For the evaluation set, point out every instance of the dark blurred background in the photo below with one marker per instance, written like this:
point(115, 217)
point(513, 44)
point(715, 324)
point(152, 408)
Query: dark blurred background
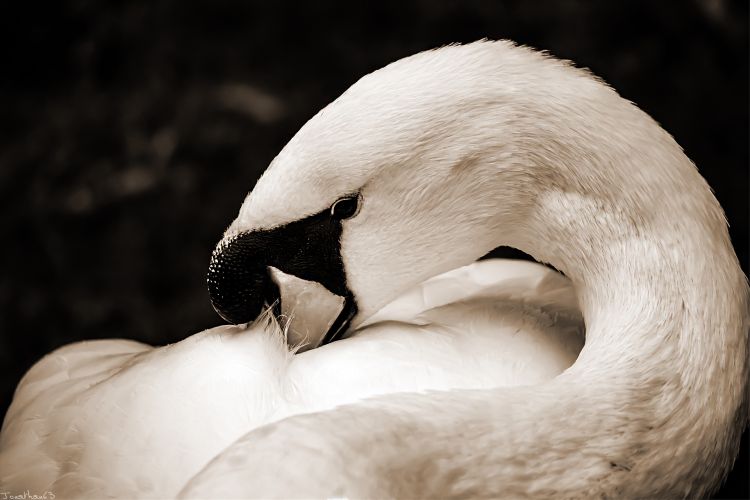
point(131, 132)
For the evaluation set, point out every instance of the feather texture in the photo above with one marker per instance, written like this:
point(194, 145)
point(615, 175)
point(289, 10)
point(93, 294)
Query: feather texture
point(453, 152)
point(116, 418)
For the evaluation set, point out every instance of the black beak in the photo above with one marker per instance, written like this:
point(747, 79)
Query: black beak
point(240, 285)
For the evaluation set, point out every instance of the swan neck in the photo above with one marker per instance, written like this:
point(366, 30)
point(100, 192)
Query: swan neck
point(662, 294)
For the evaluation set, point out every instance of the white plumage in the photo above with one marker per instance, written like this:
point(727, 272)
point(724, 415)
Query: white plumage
point(453, 152)
point(117, 418)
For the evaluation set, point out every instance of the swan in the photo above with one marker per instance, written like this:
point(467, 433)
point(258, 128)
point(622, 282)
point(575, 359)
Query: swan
point(426, 165)
point(420, 168)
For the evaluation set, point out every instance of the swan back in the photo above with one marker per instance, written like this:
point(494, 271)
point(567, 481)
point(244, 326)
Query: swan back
point(117, 418)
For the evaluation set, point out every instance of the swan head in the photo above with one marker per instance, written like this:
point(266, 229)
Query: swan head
point(420, 167)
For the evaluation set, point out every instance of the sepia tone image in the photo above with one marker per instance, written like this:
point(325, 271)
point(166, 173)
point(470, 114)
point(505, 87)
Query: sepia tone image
point(404, 249)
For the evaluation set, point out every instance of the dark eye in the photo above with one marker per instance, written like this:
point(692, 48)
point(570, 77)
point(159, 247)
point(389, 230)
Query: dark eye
point(345, 208)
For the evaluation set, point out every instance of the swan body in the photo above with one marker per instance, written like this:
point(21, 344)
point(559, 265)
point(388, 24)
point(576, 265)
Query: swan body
point(118, 418)
point(442, 157)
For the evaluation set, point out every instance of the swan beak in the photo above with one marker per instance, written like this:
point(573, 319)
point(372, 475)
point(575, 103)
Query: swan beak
point(295, 269)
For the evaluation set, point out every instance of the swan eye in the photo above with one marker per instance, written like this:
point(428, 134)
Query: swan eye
point(345, 208)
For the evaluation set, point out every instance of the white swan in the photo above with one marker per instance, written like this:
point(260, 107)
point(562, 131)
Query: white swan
point(435, 160)
point(454, 152)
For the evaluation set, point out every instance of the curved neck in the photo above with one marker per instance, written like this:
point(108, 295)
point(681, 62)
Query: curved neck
point(666, 307)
